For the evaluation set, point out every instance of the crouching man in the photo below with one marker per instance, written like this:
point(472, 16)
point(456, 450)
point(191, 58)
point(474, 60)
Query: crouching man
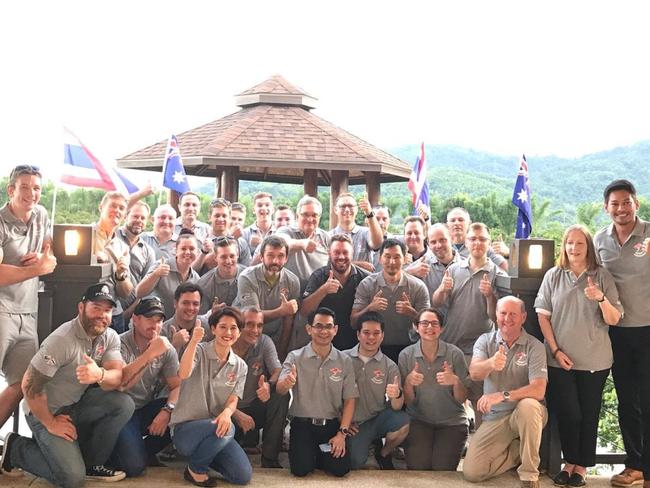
point(74, 425)
point(512, 365)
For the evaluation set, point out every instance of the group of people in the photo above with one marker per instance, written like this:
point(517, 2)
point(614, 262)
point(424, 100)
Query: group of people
point(208, 333)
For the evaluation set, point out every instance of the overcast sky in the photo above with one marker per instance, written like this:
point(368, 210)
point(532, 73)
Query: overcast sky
point(564, 78)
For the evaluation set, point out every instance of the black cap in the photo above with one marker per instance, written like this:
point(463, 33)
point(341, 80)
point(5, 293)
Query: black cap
point(150, 307)
point(98, 292)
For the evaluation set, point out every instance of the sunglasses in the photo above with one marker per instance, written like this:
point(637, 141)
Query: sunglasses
point(24, 169)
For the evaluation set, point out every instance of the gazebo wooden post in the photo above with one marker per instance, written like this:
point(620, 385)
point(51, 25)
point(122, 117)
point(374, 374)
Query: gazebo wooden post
point(218, 182)
point(230, 181)
point(339, 184)
point(310, 183)
point(373, 188)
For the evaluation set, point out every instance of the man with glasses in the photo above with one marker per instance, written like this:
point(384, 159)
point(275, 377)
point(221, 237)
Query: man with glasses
point(190, 206)
point(364, 239)
point(324, 391)
point(308, 244)
point(395, 294)
point(25, 254)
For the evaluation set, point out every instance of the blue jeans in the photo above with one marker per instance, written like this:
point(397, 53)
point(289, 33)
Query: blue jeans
point(377, 427)
point(135, 446)
point(197, 440)
point(98, 417)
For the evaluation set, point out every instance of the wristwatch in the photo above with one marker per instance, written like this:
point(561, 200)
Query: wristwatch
point(370, 215)
point(344, 431)
point(506, 396)
point(169, 407)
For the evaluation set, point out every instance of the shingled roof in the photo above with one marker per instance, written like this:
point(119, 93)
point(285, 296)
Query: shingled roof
point(274, 137)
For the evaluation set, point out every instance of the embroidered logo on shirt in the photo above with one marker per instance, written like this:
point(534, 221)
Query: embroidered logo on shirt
point(521, 359)
point(256, 368)
point(49, 360)
point(336, 374)
point(231, 379)
point(378, 377)
point(639, 250)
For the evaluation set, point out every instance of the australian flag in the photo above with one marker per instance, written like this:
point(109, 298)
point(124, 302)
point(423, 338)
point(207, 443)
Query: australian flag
point(521, 199)
point(417, 183)
point(174, 176)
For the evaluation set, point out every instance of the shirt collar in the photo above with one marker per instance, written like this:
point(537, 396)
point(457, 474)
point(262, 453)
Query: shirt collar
point(212, 354)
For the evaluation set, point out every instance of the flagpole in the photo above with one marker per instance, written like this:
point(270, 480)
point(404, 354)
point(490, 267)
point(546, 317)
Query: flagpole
point(56, 188)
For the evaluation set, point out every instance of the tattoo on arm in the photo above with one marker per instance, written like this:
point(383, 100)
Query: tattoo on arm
point(35, 382)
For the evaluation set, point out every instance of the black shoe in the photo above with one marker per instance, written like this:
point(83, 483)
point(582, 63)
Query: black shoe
point(208, 483)
point(5, 464)
point(562, 478)
point(576, 479)
point(103, 473)
point(384, 462)
point(270, 463)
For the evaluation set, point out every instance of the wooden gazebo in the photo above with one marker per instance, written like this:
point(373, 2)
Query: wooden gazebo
point(275, 137)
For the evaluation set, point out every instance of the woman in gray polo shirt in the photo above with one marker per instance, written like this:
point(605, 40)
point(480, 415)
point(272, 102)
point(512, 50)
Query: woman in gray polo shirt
point(576, 304)
point(435, 377)
point(213, 381)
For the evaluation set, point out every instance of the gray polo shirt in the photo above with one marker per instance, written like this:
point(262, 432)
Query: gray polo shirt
point(435, 403)
point(212, 285)
point(578, 324)
point(242, 249)
point(526, 361)
point(60, 354)
point(436, 270)
point(254, 291)
point(302, 263)
point(151, 383)
point(360, 241)
point(18, 238)
point(253, 230)
point(398, 326)
point(261, 359)
point(201, 229)
point(166, 331)
point(492, 256)
point(167, 285)
point(372, 378)
point(141, 260)
point(321, 386)
point(204, 394)
point(467, 316)
point(630, 267)
point(166, 250)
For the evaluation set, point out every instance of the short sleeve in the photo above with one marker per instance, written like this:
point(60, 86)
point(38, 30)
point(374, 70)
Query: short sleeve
point(480, 347)
point(350, 389)
point(113, 347)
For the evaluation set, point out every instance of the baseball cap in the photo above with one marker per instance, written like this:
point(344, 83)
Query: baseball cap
point(98, 292)
point(150, 307)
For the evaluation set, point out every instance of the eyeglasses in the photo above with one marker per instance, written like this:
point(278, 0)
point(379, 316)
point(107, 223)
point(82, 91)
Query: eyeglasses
point(220, 202)
point(24, 169)
point(319, 326)
point(224, 240)
point(309, 215)
point(428, 323)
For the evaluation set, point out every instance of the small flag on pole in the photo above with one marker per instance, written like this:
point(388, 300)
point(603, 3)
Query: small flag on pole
point(174, 176)
point(417, 183)
point(521, 199)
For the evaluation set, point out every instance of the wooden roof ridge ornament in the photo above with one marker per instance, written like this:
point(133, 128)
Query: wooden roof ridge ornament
point(275, 137)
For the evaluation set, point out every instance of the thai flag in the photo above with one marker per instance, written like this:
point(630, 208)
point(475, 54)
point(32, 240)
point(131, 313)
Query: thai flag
point(417, 183)
point(174, 176)
point(521, 199)
point(82, 168)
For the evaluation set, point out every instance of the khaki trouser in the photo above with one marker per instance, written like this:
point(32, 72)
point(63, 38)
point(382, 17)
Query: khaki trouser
point(501, 444)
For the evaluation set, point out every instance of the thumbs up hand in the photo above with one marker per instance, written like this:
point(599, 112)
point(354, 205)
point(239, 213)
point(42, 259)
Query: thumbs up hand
point(403, 305)
point(46, 261)
point(88, 372)
point(332, 285)
point(499, 359)
point(446, 377)
point(485, 287)
point(419, 268)
point(379, 303)
point(163, 268)
point(179, 338)
point(287, 307)
point(290, 378)
point(593, 291)
point(415, 378)
point(197, 334)
point(392, 389)
point(364, 204)
point(263, 390)
point(447, 283)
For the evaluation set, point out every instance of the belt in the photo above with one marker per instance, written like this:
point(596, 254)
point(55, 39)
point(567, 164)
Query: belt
point(313, 420)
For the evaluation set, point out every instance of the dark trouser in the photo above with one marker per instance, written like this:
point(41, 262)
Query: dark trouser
point(135, 446)
point(117, 323)
point(271, 416)
point(393, 351)
point(98, 417)
point(304, 453)
point(575, 397)
point(438, 448)
point(631, 372)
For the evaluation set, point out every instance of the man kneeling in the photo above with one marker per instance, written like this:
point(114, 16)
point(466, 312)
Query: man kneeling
point(513, 367)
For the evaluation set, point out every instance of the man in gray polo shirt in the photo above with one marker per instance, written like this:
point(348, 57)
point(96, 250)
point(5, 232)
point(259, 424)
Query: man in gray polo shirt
point(272, 288)
point(624, 249)
point(512, 365)
point(397, 295)
point(364, 239)
point(151, 365)
point(162, 239)
point(178, 329)
point(190, 206)
point(219, 285)
point(263, 225)
point(74, 427)
point(25, 254)
point(378, 412)
point(323, 388)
